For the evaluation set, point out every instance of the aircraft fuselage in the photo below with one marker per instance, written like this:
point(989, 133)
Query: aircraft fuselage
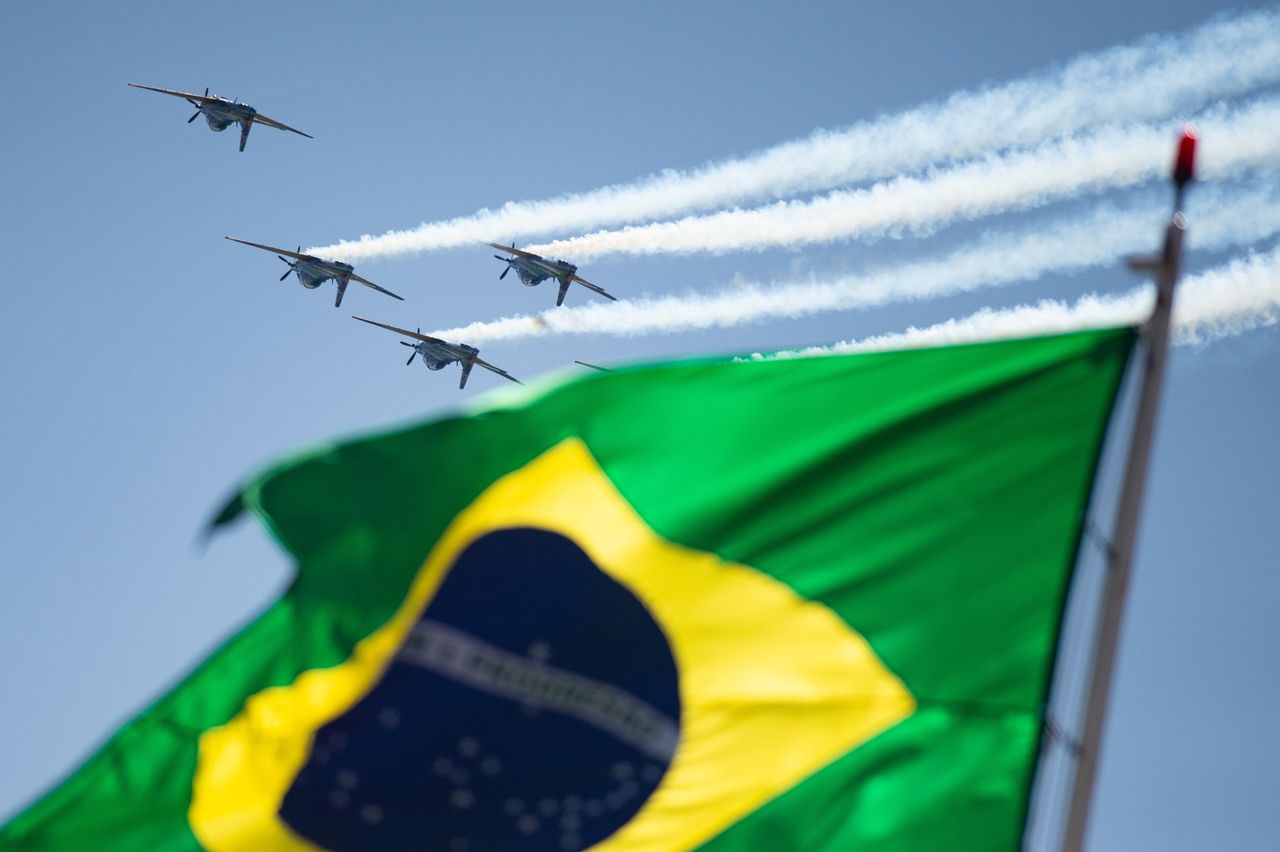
point(314, 272)
point(534, 272)
point(223, 113)
point(437, 356)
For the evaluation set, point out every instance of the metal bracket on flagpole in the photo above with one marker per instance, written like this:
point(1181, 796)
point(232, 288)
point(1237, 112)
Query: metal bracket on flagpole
point(1164, 267)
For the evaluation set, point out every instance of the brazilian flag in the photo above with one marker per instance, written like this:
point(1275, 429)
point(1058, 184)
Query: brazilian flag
point(771, 604)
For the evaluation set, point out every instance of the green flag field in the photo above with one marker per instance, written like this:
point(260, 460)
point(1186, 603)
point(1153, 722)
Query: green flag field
point(794, 603)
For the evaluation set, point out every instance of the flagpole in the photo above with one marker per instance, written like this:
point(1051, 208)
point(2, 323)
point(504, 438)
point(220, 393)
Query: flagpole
point(1165, 268)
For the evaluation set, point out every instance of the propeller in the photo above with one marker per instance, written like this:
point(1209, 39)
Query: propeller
point(505, 271)
point(291, 266)
point(199, 108)
point(406, 343)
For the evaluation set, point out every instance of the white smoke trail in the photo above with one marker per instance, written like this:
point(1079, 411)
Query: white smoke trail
point(1232, 299)
point(1223, 217)
point(1156, 77)
point(1114, 157)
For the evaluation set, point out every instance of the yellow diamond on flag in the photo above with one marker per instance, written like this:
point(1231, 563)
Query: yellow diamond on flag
point(771, 686)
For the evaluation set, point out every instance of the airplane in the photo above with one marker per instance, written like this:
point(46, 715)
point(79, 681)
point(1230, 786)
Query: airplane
point(220, 113)
point(438, 354)
point(534, 269)
point(312, 271)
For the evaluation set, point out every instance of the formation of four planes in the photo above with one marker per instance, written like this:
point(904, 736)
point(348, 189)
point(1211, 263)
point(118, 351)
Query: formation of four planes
point(220, 113)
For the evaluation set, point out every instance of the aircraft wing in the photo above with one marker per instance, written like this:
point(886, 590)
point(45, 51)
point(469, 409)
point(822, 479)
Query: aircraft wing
point(286, 252)
point(425, 338)
point(590, 286)
point(515, 251)
point(483, 363)
point(366, 282)
point(191, 96)
point(271, 122)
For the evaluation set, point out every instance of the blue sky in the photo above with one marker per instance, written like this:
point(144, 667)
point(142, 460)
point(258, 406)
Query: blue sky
point(150, 365)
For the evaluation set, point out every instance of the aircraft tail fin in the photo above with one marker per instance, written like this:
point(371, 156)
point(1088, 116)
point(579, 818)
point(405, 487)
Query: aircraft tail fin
point(466, 371)
point(245, 127)
point(564, 288)
point(342, 290)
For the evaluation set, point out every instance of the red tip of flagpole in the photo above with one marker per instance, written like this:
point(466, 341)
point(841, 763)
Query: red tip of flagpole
point(1184, 166)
